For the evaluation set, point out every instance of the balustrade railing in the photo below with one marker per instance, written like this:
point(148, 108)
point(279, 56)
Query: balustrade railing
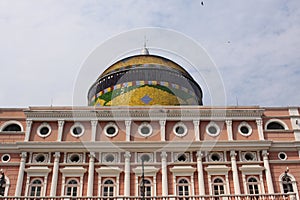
point(289, 196)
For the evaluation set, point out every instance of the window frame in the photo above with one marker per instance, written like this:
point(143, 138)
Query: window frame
point(72, 186)
point(32, 184)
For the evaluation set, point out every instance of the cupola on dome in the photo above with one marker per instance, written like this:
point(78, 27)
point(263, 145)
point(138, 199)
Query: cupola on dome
point(143, 80)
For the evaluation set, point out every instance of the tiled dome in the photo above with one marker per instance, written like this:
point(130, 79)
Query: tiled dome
point(144, 80)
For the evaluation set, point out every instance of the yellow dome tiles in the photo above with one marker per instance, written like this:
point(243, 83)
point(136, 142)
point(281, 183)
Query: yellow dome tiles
point(140, 93)
point(143, 59)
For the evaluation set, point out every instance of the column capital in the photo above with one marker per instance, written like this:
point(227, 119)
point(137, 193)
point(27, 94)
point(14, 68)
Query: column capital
point(94, 123)
point(61, 123)
point(23, 155)
point(228, 122)
point(56, 155)
point(163, 154)
point(265, 154)
point(196, 122)
point(127, 154)
point(127, 122)
point(232, 154)
point(28, 123)
point(259, 122)
point(200, 154)
point(162, 122)
point(92, 155)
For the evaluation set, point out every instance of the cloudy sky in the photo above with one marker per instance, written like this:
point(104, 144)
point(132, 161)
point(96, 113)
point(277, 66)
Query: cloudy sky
point(254, 44)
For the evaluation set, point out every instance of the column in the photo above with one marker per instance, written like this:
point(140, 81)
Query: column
point(260, 129)
point(235, 174)
point(268, 172)
point(55, 174)
point(229, 129)
point(127, 174)
point(196, 128)
point(201, 185)
point(28, 130)
point(162, 130)
point(90, 185)
point(60, 129)
point(164, 173)
point(128, 127)
point(21, 174)
point(94, 124)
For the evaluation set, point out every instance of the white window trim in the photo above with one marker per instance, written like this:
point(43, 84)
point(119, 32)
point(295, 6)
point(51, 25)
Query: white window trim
point(279, 122)
point(246, 125)
point(183, 171)
point(109, 172)
point(111, 124)
point(5, 124)
point(72, 172)
point(115, 155)
point(145, 124)
point(224, 184)
point(6, 154)
point(282, 153)
point(258, 184)
point(221, 170)
point(77, 124)
point(183, 126)
point(41, 126)
point(214, 125)
point(148, 171)
point(253, 170)
point(35, 171)
point(189, 185)
point(294, 184)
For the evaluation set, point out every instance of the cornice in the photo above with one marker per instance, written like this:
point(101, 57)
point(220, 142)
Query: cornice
point(144, 146)
point(140, 113)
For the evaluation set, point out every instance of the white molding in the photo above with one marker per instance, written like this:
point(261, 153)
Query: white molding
point(148, 171)
point(217, 169)
point(111, 124)
point(37, 171)
point(44, 124)
point(246, 124)
point(180, 124)
point(183, 170)
point(77, 124)
point(278, 121)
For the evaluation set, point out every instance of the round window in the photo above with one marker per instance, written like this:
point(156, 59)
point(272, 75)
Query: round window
point(215, 157)
point(5, 158)
point(145, 158)
point(145, 129)
point(249, 156)
point(282, 156)
point(111, 130)
point(213, 129)
point(44, 130)
point(245, 129)
point(77, 130)
point(40, 158)
point(180, 129)
point(182, 158)
point(75, 158)
point(109, 158)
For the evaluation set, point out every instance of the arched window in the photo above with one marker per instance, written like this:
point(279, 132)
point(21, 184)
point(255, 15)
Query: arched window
point(35, 188)
point(147, 186)
point(72, 188)
point(274, 125)
point(183, 187)
point(11, 126)
point(253, 186)
point(108, 188)
point(287, 184)
point(218, 186)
